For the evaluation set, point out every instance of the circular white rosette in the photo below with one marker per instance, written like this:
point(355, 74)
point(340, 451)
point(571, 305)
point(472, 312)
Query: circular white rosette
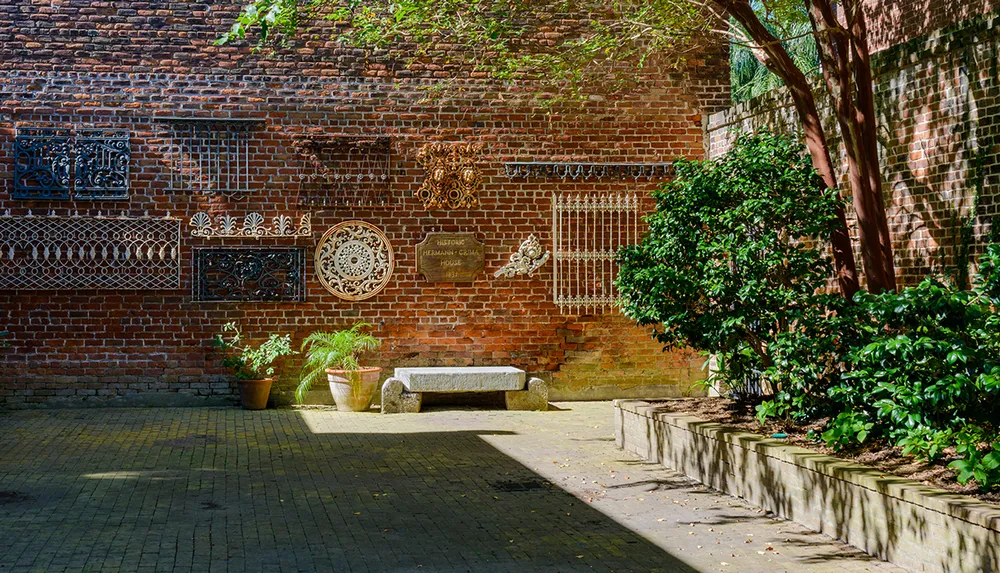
point(354, 260)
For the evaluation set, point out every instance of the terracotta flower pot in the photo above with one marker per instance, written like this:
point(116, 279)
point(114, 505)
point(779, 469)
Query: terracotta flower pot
point(254, 393)
point(354, 397)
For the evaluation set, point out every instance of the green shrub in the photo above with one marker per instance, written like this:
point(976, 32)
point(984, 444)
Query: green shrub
point(734, 254)
point(920, 368)
point(733, 265)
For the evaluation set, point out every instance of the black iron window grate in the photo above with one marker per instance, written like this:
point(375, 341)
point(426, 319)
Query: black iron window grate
point(210, 155)
point(240, 274)
point(58, 164)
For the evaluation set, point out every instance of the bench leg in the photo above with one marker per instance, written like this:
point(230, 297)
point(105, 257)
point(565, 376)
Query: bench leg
point(397, 400)
point(536, 397)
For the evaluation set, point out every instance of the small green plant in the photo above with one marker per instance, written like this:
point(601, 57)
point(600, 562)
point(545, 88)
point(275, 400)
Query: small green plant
point(338, 350)
point(247, 361)
point(846, 429)
point(978, 462)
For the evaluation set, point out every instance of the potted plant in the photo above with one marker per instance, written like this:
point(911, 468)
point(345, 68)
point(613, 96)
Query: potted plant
point(253, 365)
point(335, 355)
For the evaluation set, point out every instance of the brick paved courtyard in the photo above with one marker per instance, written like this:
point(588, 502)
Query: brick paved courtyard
point(317, 490)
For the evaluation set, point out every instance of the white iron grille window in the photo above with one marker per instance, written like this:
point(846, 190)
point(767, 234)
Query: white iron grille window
point(588, 230)
point(118, 253)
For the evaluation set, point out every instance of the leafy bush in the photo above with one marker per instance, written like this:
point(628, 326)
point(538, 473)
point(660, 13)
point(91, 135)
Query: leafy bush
point(732, 258)
point(920, 368)
point(251, 362)
point(732, 266)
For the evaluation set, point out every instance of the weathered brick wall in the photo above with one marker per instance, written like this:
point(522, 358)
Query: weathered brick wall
point(938, 100)
point(892, 22)
point(121, 64)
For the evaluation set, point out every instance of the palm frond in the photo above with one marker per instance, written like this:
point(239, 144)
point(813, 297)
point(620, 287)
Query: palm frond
point(749, 78)
point(338, 350)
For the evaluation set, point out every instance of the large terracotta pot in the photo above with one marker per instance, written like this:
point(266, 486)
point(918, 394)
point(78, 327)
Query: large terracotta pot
point(353, 397)
point(254, 393)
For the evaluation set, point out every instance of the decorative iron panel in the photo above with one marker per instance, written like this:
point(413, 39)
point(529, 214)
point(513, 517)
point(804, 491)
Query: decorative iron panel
point(587, 171)
point(118, 253)
point(354, 260)
point(210, 155)
point(101, 164)
point(240, 274)
point(344, 170)
point(42, 159)
point(253, 226)
point(452, 178)
point(588, 231)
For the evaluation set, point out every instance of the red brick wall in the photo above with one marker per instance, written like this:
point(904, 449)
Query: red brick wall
point(119, 64)
point(938, 100)
point(892, 22)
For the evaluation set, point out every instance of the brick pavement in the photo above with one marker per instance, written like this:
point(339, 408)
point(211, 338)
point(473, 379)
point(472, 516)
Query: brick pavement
point(317, 490)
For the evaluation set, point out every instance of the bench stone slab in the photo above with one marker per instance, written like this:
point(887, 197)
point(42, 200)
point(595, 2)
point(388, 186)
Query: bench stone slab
point(462, 379)
point(536, 397)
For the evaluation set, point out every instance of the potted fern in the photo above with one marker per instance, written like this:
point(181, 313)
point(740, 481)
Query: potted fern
point(335, 356)
point(253, 365)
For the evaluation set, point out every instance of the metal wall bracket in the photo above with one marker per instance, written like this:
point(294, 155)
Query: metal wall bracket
point(586, 171)
point(344, 170)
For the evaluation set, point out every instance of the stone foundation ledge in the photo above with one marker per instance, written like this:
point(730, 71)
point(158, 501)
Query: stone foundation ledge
point(902, 521)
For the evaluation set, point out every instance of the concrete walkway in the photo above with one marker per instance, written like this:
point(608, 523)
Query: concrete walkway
point(319, 490)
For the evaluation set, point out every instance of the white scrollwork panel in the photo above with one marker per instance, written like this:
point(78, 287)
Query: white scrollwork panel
point(253, 226)
point(117, 253)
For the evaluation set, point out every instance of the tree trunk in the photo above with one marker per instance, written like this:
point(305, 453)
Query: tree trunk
point(866, 105)
point(774, 56)
point(848, 80)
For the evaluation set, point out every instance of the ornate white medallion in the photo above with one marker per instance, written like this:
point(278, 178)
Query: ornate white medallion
point(354, 260)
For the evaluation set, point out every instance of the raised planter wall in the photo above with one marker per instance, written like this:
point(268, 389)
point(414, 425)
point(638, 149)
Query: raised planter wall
point(899, 520)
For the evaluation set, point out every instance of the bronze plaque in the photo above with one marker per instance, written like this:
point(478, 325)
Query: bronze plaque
point(450, 257)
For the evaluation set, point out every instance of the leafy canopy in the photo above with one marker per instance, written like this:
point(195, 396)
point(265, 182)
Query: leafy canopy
point(576, 46)
point(749, 78)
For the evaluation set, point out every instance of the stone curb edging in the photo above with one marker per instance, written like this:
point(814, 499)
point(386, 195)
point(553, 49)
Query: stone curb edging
point(899, 520)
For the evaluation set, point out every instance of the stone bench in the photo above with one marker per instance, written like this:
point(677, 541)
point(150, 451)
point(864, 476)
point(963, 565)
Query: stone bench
point(404, 391)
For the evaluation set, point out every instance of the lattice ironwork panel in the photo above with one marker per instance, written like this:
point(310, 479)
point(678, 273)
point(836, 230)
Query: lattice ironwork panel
point(42, 161)
point(101, 164)
point(588, 231)
point(345, 171)
point(210, 155)
point(118, 253)
point(240, 274)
